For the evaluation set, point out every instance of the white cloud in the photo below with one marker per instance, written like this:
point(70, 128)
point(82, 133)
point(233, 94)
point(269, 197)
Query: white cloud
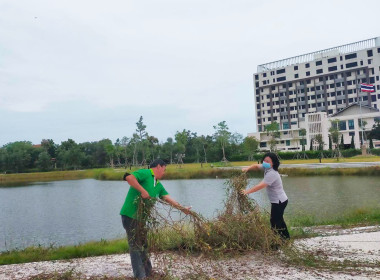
point(192, 58)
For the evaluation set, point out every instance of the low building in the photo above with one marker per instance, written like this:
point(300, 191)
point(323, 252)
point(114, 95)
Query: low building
point(349, 124)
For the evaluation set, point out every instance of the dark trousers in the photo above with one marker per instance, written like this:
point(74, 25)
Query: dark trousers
point(277, 219)
point(137, 240)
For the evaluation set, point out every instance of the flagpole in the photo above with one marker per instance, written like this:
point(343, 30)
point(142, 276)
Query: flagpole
point(361, 117)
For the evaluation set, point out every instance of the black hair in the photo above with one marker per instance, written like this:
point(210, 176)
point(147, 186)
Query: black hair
point(126, 175)
point(274, 158)
point(157, 162)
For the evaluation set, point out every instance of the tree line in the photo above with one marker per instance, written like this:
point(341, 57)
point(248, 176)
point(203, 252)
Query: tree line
point(138, 149)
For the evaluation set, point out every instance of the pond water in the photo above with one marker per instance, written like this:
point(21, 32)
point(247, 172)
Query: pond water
point(78, 211)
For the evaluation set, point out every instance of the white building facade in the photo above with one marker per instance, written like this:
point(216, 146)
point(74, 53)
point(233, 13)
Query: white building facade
point(308, 91)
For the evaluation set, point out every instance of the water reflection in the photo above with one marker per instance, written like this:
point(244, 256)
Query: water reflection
point(69, 212)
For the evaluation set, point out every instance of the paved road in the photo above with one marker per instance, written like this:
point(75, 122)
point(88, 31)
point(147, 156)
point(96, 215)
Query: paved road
point(332, 165)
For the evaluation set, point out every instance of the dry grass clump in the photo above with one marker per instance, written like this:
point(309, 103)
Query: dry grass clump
point(240, 227)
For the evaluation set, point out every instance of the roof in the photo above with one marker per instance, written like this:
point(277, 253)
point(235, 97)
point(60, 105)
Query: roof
point(352, 105)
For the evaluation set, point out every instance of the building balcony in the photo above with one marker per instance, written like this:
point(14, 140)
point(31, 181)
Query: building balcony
point(319, 100)
point(321, 91)
point(341, 97)
point(318, 83)
point(300, 103)
point(301, 94)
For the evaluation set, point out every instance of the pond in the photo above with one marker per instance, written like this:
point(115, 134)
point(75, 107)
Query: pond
point(78, 211)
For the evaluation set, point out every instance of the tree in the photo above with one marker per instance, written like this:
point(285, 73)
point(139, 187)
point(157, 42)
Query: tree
point(302, 133)
point(18, 156)
point(171, 148)
point(204, 143)
point(371, 143)
point(375, 131)
point(330, 143)
point(142, 135)
point(222, 136)
point(135, 142)
point(311, 144)
point(273, 131)
point(352, 145)
point(251, 145)
point(334, 133)
point(49, 146)
point(319, 139)
point(110, 150)
point(362, 125)
point(44, 161)
point(124, 149)
point(69, 155)
point(341, 142)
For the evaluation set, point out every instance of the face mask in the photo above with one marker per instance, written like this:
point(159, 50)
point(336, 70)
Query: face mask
point(266, 165)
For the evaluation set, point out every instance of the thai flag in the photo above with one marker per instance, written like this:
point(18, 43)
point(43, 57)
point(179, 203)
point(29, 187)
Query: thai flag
point(367, 88)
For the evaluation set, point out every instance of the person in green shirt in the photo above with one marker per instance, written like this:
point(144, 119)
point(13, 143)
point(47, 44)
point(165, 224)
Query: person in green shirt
point(145, 187)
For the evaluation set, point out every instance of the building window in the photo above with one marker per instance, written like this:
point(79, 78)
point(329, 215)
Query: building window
point(331, 60)
point(285, 125)
point(280, 71)
point(342, 125)
point(351, 124)
point(369, 53)
point(319, 71)
point(264, 75)
point(351, 133)
point(307, 65)
point(333, 68)
point(296, 76)
point(279, 79)
point(317, 63)
point(308, 73)
point(263, 144)
point(350, 65)
point(350, 56)
point(287, 142)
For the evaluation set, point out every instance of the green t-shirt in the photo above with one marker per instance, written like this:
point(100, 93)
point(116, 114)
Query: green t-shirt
point(145, 177)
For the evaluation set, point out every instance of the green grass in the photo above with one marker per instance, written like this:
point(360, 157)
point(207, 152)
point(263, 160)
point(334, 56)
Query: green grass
point(359, 216)
point(170, 239)
point(35, 254)
point(186, 171)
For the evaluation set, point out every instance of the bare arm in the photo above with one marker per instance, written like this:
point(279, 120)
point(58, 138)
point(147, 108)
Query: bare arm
point(256, 188)
point(254, 166)
point(175, 204)
point(132, 181)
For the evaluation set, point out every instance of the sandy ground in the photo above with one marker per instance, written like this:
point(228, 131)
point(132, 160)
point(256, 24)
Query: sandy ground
point(358, 244)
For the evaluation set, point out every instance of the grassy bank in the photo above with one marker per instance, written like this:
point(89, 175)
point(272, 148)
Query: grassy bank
point(172, 240)
point(195, 171)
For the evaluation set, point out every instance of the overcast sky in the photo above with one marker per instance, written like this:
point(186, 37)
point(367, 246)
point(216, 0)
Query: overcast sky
point(87, 70)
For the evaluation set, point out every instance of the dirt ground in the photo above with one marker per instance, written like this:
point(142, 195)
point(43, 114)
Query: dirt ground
point(356, 244)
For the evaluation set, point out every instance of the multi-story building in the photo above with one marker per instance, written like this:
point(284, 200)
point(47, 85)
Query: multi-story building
point(309, 90)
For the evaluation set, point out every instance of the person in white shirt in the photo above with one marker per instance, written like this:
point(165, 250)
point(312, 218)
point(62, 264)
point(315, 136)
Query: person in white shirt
point(275, 190)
